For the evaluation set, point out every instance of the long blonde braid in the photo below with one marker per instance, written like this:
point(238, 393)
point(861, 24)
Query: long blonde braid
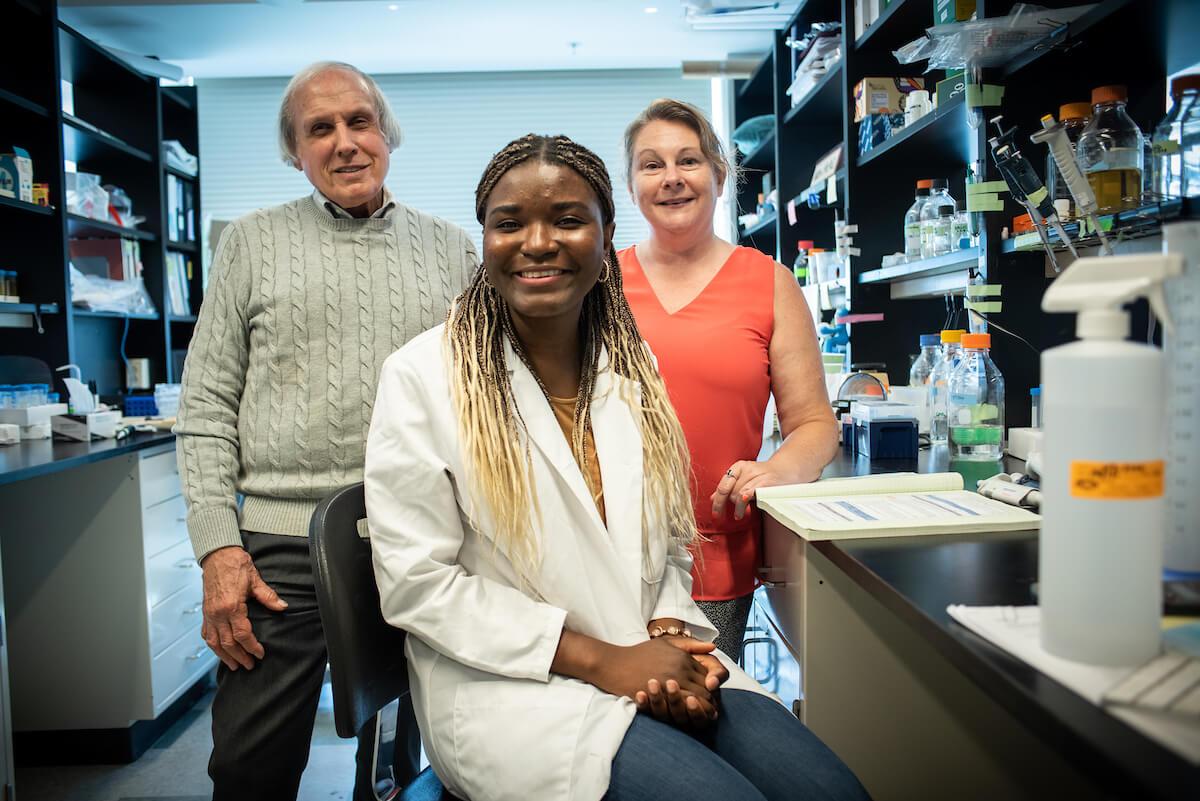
point(489, 422)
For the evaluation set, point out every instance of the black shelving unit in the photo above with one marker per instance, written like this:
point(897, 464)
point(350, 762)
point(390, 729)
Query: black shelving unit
point(114, 127)
point(1129, 42)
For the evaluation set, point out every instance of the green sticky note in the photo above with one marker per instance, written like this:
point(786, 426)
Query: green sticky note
point(984, 94)
point(985, 187)
point(984, 202)
point(984, 307)
point(1029, 241)
point(983, 290)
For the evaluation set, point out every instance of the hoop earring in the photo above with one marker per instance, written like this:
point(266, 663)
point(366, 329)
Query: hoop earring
point(605, 273)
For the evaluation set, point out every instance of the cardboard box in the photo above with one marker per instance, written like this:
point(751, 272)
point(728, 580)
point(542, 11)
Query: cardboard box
point(883, 95)
point(945, 11)
point(16, 175)
point(41, 194)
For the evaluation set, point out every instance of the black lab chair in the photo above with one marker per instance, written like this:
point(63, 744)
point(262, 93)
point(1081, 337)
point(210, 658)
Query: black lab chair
point(366, 655)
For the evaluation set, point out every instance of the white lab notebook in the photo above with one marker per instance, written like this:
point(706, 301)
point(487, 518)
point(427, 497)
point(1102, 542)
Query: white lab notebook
point(894, 504)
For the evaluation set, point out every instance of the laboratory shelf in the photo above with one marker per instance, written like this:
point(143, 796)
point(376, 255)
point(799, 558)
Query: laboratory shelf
point(761, 81)
point(28, 308)
point(81, 136)
point(180, 174)
point(761, 157)
point(927, 278)
point(182, 318)
point(183, 247)
point(81, 227)
point(13, 203)
point(14, 99)
point(178, 98)
point(801, 200)
point(1122, 226)
point(822, 104)
point(900, 23)
point(941, 131)
point(1066, 33)
point(759, 226)
point(115, 315)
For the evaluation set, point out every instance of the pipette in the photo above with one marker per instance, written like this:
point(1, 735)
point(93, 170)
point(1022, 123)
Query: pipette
point(1054, 135)
point(1027, 188)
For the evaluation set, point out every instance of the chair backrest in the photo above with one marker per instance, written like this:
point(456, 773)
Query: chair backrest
point(366, 655)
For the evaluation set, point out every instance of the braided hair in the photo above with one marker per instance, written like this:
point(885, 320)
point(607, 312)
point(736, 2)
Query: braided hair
point(489, 422)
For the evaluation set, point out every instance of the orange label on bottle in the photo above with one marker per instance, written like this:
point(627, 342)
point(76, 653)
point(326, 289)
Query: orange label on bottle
point(1117, 481)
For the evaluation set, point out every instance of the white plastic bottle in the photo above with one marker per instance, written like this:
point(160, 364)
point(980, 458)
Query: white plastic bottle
point(1103, 511)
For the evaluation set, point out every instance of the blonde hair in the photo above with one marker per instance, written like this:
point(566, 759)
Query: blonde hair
point(287, 115)
point(489, 422)
point(668, 110)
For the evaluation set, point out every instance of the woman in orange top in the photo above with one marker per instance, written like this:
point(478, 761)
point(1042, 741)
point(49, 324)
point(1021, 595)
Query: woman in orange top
point(729, 327)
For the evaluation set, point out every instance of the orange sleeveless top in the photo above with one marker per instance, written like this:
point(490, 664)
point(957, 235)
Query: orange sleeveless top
point(712, 354)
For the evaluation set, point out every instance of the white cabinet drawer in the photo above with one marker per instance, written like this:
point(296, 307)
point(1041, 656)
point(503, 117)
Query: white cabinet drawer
point(179, 665)
point(172, 618)
point(164, 525)
point(170, 571)
point(159, 476)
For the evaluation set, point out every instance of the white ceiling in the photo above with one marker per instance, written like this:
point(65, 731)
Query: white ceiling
point(233, 38)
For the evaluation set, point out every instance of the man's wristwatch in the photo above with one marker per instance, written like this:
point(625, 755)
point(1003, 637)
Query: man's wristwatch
point(670, 631)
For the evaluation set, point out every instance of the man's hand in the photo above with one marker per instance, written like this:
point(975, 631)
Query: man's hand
point(229, 580)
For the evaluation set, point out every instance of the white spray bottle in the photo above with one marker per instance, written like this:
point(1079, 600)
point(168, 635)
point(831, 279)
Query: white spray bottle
point(1103, 510)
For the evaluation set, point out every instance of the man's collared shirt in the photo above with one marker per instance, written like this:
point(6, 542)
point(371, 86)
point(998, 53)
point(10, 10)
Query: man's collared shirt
point(338, 213)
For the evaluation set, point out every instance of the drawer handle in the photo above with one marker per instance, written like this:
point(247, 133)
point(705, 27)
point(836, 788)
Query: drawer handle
point(184, 564)
point(195, 610)
point(200, 652)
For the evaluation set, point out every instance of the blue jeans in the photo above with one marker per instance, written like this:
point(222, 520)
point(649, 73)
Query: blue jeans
point(756, 751)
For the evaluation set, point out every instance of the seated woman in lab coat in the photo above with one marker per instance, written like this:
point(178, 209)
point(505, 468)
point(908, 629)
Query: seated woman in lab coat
point(527, 496)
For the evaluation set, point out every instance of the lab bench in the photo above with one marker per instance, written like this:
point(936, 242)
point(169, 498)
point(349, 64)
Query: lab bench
point(102, 598)
point(920, 707)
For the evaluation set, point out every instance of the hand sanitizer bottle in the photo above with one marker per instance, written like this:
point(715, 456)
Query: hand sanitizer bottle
point(1103, 509)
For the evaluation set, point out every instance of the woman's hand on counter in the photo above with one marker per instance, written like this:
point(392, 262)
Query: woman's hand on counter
point(738, 484)
point(230, 579)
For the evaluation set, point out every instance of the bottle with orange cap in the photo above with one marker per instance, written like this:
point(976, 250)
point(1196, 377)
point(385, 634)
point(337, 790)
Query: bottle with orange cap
point(1110, 151)
point(912, 221)
point(1176, 142)
point(975, 409)
point(1074, 119)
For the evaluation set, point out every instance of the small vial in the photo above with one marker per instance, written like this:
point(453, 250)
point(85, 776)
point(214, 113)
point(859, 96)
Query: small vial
point(960, 232)
point(1035, 407)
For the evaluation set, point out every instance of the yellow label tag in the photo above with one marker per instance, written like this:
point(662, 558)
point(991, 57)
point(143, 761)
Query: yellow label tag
point(1117, 481)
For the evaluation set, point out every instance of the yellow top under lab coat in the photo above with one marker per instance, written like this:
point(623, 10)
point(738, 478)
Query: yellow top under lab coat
point(496, 723)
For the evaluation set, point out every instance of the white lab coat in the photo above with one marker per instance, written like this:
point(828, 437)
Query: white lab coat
point(496, 723)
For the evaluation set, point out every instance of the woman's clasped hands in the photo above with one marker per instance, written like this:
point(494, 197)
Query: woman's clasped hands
point(683, 684)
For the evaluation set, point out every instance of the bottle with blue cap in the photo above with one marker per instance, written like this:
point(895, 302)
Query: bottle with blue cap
point(918, 376)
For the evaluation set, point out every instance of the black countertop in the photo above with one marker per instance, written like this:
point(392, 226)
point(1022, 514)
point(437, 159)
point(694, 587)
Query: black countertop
point(37, 457)
point(916, 578)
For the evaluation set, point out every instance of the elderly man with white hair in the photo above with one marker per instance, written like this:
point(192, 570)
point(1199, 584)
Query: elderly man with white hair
point(305, 301)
